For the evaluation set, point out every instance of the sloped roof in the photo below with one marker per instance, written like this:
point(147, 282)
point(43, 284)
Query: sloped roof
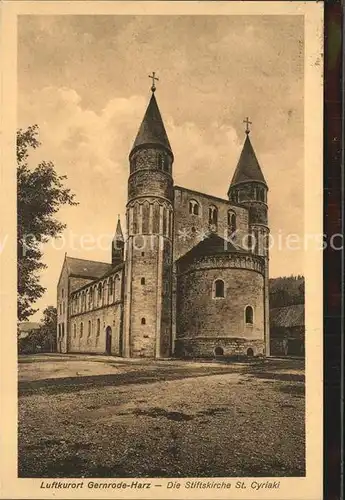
point(287, 317)
point(113, 269)
point(86, 268)
point(213, 245)
point(248, 168)
point(152, 130)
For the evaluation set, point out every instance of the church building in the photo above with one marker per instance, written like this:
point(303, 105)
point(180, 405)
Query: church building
point(189, 276)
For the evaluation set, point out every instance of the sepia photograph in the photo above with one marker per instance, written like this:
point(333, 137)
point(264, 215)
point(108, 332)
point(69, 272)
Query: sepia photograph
point(161, 249)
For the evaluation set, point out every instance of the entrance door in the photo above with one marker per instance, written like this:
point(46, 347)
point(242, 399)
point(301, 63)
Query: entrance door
point(108, 340)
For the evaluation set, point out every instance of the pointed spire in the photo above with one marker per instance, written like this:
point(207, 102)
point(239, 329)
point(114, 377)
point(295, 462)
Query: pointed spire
point(118, 232)
point(248, 168)
point(117, 245)
point(152, 130)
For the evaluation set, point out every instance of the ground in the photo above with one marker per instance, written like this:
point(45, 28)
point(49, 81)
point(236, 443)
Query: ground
point(98, 416)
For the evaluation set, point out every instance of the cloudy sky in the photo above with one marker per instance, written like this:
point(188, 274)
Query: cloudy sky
point(84, 81)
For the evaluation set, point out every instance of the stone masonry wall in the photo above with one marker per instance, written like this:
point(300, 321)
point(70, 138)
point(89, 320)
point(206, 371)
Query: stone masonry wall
point(201, 315)
point(62, 311)
point(207, 348)
point(90, 340)
point(189, 228)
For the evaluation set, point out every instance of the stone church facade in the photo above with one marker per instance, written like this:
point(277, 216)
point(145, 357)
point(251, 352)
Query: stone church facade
point(190, 276)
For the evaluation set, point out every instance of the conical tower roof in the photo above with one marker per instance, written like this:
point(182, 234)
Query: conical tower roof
point(152, 130)
point(248, 168)
point(118, 233)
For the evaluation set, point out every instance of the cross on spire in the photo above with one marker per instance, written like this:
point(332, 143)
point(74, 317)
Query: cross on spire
point(247, 122)
point(153, 77)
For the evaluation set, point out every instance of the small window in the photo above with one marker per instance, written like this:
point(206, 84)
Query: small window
point(193, 207)
point(193, 230)
point(98, 327)
point(111, 286)
point(99, 294)
point(143, 254)
point(250, 352)
point(219, 351)
point(166, 163)
point(219, 289)
point(62, 293)
point(249, 314)
point(231, 222)
point(89, 330)
point(212, 215)
point(81, 329)
point(74, 330)
point(143, 321)
point(142, 281)
point(251, 242)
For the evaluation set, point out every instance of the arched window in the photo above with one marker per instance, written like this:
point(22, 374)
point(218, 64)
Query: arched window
point(194, 207)
point(250, 242)
point(111, 286)
point(250, 352)
point(89, 329)
point(81, 329)
point(117, 287)
point(261, 193)
point(145, 217)
point(99, 297)
point(155, 218)
point(212, 215)
point(160, 161)
point(98, 327)
point(91, 298)
point(142, 281)
point(143, 321)
point(166, 163)
point(165, 218)
point(219, 351)
point(218, 291)
point(74, 330)
point(249, 315)
point(231, 221)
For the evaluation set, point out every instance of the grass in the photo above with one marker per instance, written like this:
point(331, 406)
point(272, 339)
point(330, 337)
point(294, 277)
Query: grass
point(118, 418)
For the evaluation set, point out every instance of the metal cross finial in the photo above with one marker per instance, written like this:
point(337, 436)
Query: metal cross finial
point(247, 122)
point(153, 87)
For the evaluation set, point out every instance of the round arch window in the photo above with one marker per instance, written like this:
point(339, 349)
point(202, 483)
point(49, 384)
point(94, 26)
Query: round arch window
point(219, 351)
point(250, 352)
point(219, 289)
point(249, 315)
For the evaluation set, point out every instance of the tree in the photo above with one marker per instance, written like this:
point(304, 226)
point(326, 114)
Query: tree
point(40, 194)
point(48, 328)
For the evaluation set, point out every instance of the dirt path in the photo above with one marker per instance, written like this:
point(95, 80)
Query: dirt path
point(160, 419)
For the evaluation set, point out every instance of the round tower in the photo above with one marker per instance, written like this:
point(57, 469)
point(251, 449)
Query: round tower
point(249, 189)
point(149, 218)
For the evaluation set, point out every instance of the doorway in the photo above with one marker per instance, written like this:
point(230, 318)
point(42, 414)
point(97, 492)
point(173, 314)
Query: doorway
point(108, 340)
